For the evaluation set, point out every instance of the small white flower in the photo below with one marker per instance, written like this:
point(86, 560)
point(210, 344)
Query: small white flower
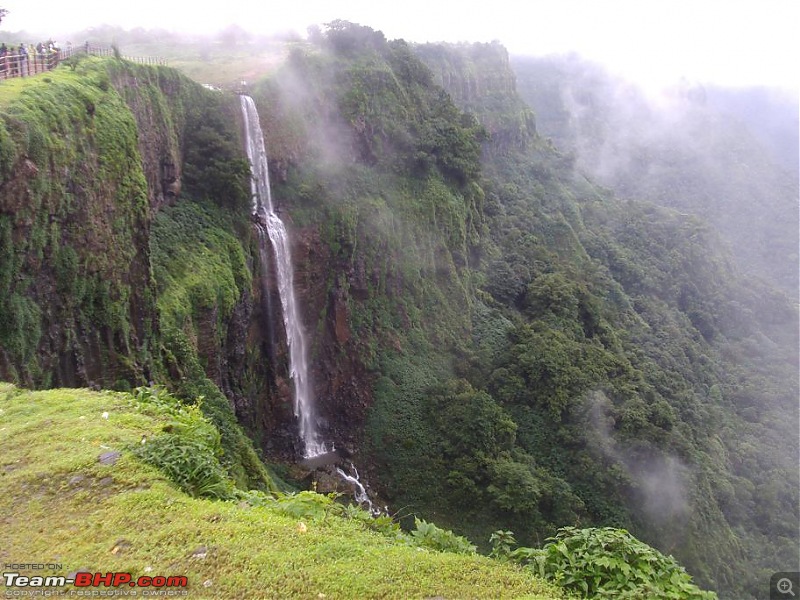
point(105, 415)
point(208, 583)
point(148, 569)
point(82, 417)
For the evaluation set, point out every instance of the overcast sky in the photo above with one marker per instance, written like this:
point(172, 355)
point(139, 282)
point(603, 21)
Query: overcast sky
point(737, 42)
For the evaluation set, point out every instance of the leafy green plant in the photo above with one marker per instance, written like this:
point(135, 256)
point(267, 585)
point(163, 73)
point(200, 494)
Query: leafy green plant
point(502, 542)
point(430, 536)
point(610, 563)
point(188, 449)
point(383, 524)
point(308, 505)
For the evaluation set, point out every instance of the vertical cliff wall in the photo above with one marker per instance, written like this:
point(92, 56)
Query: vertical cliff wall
point(376, 170)
point(78, 303)
point(124, 237)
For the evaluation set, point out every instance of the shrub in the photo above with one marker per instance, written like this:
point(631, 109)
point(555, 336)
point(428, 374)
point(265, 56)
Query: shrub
point(430, 536)
point(610, 563)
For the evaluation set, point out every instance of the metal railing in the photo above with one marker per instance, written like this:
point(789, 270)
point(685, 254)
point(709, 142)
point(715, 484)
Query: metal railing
point(33, 61)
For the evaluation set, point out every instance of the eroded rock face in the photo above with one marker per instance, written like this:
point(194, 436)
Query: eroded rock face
point(341, 382)
point(76, 222)
point(92, 291)
point(157, 143)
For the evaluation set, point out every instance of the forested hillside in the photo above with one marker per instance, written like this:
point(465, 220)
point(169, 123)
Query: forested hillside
point(497, 342)
point(620, 334)
point(726, 155)
point(536, 351)
point(602, 332)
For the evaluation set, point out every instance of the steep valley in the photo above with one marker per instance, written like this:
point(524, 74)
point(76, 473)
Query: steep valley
point(497, 342)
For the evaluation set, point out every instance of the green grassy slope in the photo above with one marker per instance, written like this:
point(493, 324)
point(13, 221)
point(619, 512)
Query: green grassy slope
point(60, 504)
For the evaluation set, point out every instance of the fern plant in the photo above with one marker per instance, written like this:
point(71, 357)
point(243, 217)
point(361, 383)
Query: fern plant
point(187, 450)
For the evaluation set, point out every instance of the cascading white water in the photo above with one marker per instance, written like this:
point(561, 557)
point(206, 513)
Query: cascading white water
point(270, 224)
point(359, 490)
point(272, 229)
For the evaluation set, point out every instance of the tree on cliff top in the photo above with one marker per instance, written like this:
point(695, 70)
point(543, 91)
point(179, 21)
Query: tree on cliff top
point(3, 13)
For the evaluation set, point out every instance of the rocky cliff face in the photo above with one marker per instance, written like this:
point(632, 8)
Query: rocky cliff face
point(90, 158)
point(108, 268)
point(109, 274)
point(373, 173)
point(480, 80)
point(342, 384)
point(79, 304)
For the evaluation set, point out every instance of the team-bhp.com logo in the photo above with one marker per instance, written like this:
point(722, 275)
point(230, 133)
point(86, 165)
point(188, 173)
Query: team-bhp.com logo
point(113, 579)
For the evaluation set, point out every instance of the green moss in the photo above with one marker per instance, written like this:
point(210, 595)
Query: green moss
point(80, 146)
point(79, 204)
point(198, 264)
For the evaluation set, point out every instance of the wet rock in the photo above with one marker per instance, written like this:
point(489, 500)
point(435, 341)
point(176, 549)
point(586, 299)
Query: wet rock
point(321, 460)
point(326, 482)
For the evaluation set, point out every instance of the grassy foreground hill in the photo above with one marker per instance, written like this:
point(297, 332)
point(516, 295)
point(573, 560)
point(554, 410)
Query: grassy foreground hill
point(77, 492)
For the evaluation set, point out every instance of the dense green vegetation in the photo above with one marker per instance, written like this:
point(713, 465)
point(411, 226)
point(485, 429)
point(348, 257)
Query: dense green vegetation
point(385, 182)
point(89, 295)
point(114, 471)
point(602, 563)
point(72, 179)
point(613, 364)
point(637, 346)
point(690, 148)
point(116, 512)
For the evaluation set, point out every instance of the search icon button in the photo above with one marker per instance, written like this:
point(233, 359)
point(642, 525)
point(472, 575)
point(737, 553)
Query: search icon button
point(784, 585)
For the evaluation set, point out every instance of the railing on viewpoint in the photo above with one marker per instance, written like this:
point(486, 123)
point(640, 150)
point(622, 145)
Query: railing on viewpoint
point(33, 61)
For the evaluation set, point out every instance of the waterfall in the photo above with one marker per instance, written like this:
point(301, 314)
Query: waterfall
point(271, 231)
point(272, 228)
point(359, 490)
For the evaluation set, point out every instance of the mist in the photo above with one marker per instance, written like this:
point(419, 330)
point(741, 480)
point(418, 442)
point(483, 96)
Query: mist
point(660, 480)
point(726, 155)
point(654, 43)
